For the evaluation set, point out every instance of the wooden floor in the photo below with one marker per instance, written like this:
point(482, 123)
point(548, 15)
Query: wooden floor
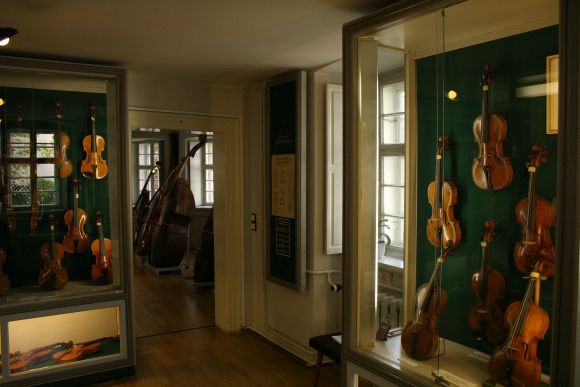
point(178, 344)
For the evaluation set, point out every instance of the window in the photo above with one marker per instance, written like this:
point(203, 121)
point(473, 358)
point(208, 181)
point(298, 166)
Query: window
point(392, 167)
point(148, 153)
point(201, 179)
point(21, 168)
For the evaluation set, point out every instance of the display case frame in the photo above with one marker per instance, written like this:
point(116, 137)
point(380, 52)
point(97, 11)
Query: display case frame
point(564, 317)
point(84, 294)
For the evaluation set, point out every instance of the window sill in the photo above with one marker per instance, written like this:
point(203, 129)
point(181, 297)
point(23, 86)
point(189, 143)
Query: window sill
point(391, 262)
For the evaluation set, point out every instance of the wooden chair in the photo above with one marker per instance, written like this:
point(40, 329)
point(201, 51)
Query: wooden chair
point(326, 346)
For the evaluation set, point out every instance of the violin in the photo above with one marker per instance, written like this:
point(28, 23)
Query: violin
point(442, 227)
point(102, 270)
point(53, 275)
point(78, 352)
point(170, 211)
point(491, 169)
point(536, 216)
point(420, 337)
point(516, 362)
point(75, 240)
point(20, 362)
point(485, 319)
point(142, 203)
point(4, 280)
point(65, 166)
point(93, 166)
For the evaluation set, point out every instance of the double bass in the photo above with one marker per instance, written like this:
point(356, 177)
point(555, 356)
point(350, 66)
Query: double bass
point(172, 201)
point(516, 363)
point(491, 169)
point(142, 203)
point(76, 239)
point(485, 319)
point(53, 275)
point(65, 167)
point(169, 236)
point(102, 269)
point(420, 337)
point(94, 166)
point(442, 227)
point(536, 216)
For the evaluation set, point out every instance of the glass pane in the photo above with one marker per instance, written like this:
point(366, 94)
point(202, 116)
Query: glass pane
point(19, 138)
point(144, 148)
point(45, 138)
point(393, 170)
point(46, 184)
point(19, 170)
point(144, 160)
point(209, 174)
point(209, 185)
point(48, 198)
point(209, 197)
point(395, 230)
point(393, 98)
point(156, 148)
point(209, 159)
point(143, 173)
point(393, 201)
point(20, 150)
point(209, 147)
point(155, 183)
point(393, 129)
point(45, 170)
point(20, 185)
point(21, 199)
point(45, 151)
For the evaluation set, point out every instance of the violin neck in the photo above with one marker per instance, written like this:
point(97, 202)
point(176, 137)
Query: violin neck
point(485, 114)
point(483, 272)
point(52, 244)
point(438, 181)
point(102, 242)
point(531, 210)
point(75, 205)
point(94, 135)
point(525, 307)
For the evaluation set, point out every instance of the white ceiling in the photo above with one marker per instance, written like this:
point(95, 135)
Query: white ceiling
point(208, 41)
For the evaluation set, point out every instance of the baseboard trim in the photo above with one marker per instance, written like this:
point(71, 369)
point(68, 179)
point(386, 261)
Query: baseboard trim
point(306, 354)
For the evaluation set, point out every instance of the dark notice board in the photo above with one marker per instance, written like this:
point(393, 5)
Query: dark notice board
point(286, 120)
point(519, 61)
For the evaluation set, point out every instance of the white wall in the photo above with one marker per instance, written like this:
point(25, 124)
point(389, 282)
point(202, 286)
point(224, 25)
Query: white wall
point(178, 95)
point(281, 314)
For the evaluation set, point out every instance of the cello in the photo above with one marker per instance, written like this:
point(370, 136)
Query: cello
point(491, 170)
point(536, 216)
point(93, 166)
point(53, 275)
point(420, 337)
point(485, 319)
point(442, 227)
point(142, 203)
point(516, 362)
point(169, 204)
point(75, 240)
point(4, 280)
point(64, 164)
point(102, 270)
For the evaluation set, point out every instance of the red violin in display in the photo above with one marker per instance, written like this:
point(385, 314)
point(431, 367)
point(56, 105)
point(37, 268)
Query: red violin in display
point(485, 319)
point(76, 239)
point(491, 169)
point(53, 275)
point(536, 216)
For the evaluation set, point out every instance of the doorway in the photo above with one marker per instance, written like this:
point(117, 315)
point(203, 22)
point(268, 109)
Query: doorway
point(227, 209)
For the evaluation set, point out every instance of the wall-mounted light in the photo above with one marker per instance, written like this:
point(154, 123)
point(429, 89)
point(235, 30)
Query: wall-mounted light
point(452, 95)
point(5, 34)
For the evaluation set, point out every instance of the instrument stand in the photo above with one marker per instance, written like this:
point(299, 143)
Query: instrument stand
point(162, 270)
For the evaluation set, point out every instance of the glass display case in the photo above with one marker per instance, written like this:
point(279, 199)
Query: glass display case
point(64, 251)
point(451, 138)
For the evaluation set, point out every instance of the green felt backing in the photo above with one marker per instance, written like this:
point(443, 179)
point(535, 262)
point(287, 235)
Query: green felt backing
point(520, 61)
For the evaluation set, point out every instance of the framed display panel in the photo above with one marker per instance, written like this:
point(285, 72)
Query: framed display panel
point(458, 69)
point(43, 345)
point(286, 152)
point(64, 219)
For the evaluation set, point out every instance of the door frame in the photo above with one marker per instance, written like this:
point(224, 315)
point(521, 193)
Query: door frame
point(228, 203)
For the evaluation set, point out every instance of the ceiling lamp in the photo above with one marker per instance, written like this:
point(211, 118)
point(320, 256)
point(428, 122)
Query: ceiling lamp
point(5, 34)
